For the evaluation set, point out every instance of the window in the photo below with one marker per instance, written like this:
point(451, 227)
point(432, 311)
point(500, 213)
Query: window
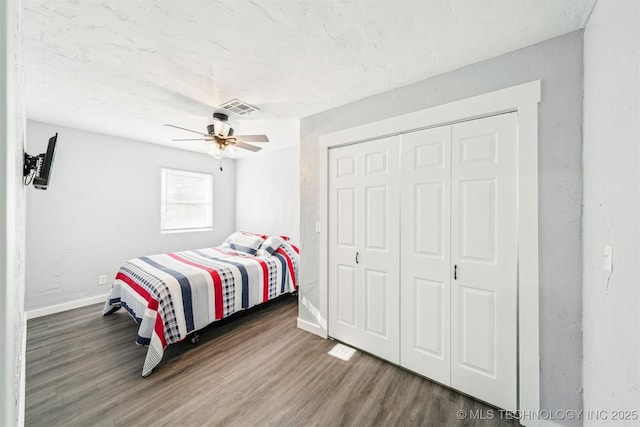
point(187, 201)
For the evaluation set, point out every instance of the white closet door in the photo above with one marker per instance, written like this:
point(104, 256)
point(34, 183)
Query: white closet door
point(425, 245)
point(484, 256)
point(364, 246)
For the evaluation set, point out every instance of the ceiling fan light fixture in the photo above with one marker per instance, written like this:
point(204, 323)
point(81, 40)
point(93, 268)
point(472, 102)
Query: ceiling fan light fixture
point(216, 151)
point(220, 128)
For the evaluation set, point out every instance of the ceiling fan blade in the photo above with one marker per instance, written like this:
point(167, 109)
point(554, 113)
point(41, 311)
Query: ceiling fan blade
point(252, 138)
point(188, 130)
point(193, 139)
point(249, 147)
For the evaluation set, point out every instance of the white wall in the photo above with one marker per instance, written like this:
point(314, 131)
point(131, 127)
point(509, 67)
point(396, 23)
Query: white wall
point(102, 207)
point(611, 319)
point(268, 193)
point(558, 64)
point(12, 217)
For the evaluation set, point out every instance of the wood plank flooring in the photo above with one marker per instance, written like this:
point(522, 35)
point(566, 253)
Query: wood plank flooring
point(84, 369)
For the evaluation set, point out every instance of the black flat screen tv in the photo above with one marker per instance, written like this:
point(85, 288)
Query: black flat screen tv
point(41, 180)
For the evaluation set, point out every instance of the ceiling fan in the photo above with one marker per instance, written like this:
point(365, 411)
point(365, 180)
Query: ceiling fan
point(220, 133)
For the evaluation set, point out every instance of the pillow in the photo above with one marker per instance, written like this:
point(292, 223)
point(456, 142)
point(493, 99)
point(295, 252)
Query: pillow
point(263, 236)
point(269, 246)
point(243, 242)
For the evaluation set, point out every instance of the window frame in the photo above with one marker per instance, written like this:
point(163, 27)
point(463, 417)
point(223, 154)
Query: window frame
point(164, 229)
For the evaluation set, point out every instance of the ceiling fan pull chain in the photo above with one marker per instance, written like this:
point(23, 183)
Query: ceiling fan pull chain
point(220, 164)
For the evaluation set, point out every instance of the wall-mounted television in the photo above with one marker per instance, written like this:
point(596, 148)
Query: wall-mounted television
point(37, 169)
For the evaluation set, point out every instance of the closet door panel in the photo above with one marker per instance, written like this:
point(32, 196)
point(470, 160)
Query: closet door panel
point(428, 219)
point(376, 312)
point(343, 273)
point(346, 207)
point(429, 313)
point(478, 220)
point(346, 295)
point(379, 248)
point(483, 255)
point(364, 246)
point(425, 247)
point(376, 213)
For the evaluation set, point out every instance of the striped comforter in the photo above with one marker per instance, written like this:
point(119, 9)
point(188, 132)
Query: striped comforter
point(171, 295)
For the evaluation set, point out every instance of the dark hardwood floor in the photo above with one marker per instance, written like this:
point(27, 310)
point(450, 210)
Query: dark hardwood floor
point(84, 369)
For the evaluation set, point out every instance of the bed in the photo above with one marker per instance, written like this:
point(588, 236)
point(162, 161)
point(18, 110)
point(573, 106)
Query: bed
point(174, 294)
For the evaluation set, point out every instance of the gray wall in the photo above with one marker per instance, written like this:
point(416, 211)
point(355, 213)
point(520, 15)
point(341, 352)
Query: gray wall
point(558, 64)
point(12, 217)
point(268, 193)
point(611, 319)
point(103, 207)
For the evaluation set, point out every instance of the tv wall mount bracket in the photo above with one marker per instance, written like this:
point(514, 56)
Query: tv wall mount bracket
point(31, 163)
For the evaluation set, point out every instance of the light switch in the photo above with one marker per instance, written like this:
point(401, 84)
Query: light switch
point(608, 258)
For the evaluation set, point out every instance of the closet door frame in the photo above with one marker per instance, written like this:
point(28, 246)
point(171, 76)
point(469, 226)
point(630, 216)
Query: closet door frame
point(522, 99)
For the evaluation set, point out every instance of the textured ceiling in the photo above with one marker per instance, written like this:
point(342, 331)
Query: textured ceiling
point(126, 67)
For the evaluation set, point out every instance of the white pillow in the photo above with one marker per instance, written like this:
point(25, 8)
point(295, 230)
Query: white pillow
point(243, 242)
point(269, 246)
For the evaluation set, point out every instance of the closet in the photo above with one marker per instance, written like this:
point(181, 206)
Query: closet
point(422, 260)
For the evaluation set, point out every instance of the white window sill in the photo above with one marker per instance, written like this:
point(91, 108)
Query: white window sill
point(186, 230)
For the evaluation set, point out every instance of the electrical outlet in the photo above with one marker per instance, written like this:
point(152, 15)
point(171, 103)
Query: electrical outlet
point(102, 279)
point(317, 226)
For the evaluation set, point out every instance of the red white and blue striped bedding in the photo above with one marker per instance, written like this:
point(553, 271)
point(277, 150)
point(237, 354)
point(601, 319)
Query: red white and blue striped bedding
point(171, 295)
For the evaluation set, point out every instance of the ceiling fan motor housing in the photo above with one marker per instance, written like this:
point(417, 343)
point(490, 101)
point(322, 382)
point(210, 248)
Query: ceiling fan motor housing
point(220, 116)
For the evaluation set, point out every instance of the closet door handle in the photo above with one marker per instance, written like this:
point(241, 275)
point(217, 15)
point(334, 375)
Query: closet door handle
point(357, 257)
point(455, 272)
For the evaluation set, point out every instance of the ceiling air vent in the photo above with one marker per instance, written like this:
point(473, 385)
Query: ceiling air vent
point(239, 107)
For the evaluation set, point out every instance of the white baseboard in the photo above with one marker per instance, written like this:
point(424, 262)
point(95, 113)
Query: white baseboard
point(59, 308)
point(311, 327)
